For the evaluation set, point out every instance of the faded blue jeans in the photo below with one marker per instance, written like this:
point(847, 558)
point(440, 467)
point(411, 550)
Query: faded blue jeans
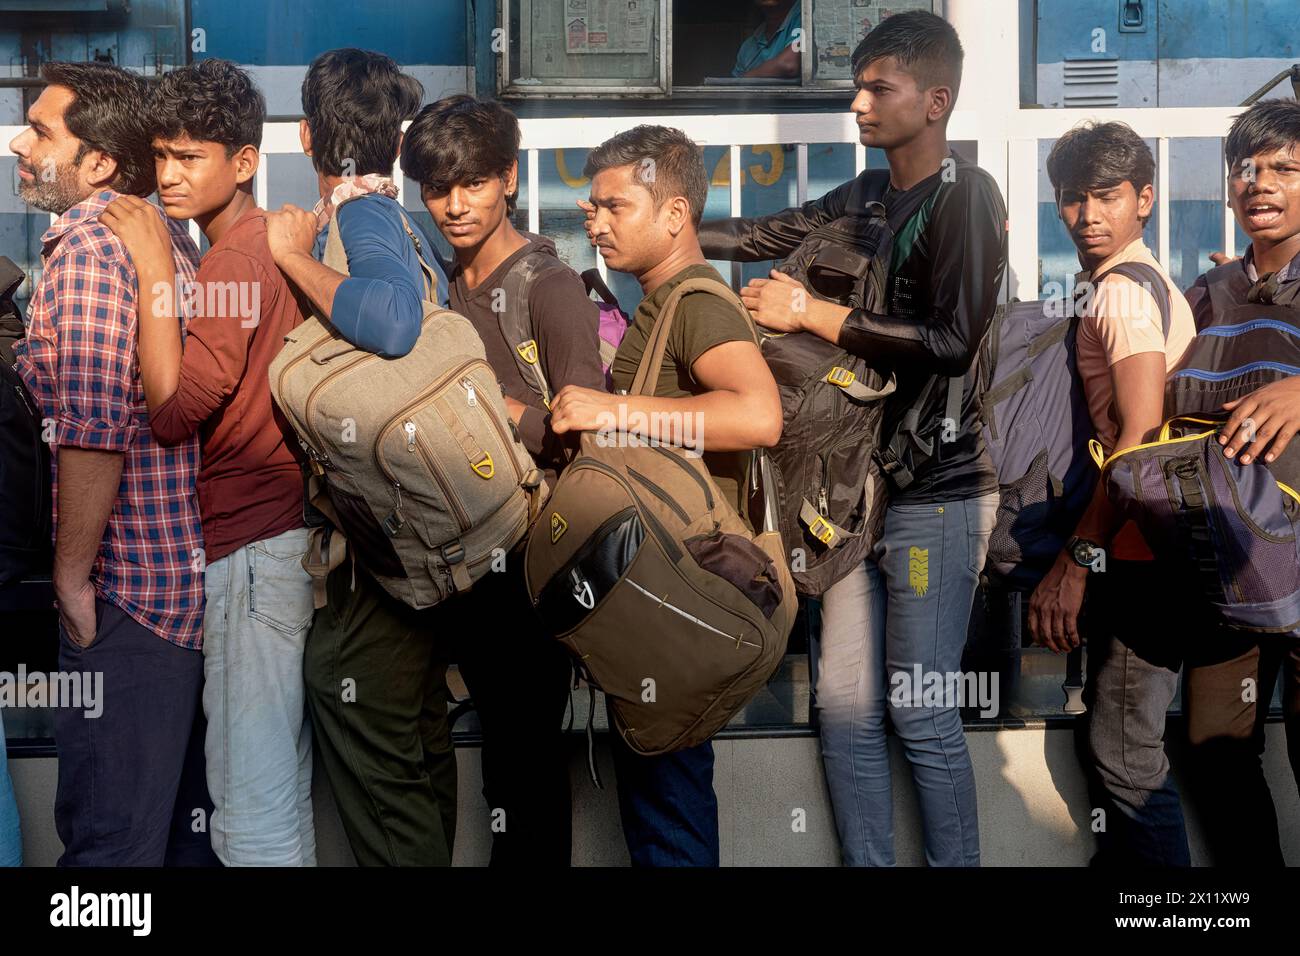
point(11, 839)
point(908, 605)
point(258, 747)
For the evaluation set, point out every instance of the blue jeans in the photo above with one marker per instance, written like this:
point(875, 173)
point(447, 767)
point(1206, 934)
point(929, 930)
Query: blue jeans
point(907, 607)
point(1133, 665)
point(667, 803)
point(258, 747)
point(11, 838)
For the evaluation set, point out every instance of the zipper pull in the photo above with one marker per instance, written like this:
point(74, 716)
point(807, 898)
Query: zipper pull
point(822, 505)
point(397, 486)
point(469, 392)
point(410, 435)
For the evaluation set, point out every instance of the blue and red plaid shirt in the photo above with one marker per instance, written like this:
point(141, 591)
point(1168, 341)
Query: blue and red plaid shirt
point(79, 360)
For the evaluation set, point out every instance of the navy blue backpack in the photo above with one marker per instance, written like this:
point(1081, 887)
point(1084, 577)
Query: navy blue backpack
point(1251, 338)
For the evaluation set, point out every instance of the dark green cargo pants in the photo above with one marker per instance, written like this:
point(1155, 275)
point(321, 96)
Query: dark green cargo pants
point(377, 693)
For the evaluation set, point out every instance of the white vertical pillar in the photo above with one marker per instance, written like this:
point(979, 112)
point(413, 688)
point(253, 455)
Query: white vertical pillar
point(734, 157)
point(534, 191)
point(1022, 212)
point(990, 85)
point(801, 173)
point(990, 35)
point(1164, 190)
point(262, 180)
point(1229, 244)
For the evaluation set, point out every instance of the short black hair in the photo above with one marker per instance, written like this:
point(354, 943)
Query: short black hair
point(355, 102)
point(1266, 127)
point(109, 112)
point(924, 45)
point(1095, 156)
point(678, 164)
point(213, 101)
point(459, 139)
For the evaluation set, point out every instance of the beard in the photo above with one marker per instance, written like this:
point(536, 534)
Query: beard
point(56, 195)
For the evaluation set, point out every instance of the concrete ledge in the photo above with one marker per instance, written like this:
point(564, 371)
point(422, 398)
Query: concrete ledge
point(1033, 804)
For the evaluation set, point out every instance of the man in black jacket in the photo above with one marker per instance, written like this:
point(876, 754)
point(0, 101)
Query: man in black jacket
point(904, 612)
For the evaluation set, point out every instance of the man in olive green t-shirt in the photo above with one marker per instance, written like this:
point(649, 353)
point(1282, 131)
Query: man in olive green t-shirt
point(714, 392)
point(703, 321)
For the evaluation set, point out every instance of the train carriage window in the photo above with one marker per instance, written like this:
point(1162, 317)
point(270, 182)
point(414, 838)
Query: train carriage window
point(584, 47)
point(835, 27)
point(777, 46)
point(722, 48)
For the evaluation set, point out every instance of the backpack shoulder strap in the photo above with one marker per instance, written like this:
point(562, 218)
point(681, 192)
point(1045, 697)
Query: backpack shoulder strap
point(592, 282)
point(1152, 279)
point(1228, 286)
point(335, 257)
point(516, 321)
point(430, 277)
point(652, 359)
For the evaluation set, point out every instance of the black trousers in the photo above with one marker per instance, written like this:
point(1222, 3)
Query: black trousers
point(518, 677)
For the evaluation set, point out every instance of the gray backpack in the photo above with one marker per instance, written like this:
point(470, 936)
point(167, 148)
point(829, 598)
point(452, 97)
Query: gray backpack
point(1037, 427)
point(414, 459)
point(828, 482)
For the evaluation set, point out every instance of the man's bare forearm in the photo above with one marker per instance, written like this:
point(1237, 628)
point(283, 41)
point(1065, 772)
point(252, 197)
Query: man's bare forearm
point(317, 281)
point(88, 483)
point(725, 421)
point(158, 342)
point(1101, 520)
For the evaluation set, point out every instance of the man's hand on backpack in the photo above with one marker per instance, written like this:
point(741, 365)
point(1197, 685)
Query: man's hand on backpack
point(578, 409)
point(1055, 604)
point(780, 304)
point(1262, 423)
point(289, 231)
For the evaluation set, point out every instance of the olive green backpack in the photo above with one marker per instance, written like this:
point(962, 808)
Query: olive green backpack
point(644, 571)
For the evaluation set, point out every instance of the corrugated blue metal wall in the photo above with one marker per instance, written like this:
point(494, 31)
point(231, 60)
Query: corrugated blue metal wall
point(292, 32)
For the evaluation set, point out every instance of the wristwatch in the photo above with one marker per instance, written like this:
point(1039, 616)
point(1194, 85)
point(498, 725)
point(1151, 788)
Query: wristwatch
point(1082, 551)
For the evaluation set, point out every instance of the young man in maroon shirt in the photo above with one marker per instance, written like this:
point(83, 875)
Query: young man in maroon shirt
point(207, 126)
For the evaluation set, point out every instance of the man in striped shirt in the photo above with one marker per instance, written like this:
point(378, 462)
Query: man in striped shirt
point(128, 565)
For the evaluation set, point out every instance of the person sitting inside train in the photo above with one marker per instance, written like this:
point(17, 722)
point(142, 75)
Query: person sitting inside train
point(772, 50)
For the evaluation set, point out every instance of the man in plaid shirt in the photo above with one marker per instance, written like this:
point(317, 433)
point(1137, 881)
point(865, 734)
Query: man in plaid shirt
point(128, 565)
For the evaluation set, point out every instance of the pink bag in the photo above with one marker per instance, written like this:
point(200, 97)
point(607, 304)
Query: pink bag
point(613, 321)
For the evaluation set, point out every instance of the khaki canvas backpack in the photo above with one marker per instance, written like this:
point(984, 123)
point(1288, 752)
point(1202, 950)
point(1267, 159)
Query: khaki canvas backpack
point(414, 459)
point(656, 586)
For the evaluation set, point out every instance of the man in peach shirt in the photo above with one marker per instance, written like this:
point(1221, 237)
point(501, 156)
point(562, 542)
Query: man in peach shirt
point(1134, 327)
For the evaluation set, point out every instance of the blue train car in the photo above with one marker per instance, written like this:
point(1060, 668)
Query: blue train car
point(1075, 53)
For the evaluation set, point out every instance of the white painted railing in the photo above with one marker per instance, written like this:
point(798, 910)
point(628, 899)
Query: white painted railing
point(1007, 146)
